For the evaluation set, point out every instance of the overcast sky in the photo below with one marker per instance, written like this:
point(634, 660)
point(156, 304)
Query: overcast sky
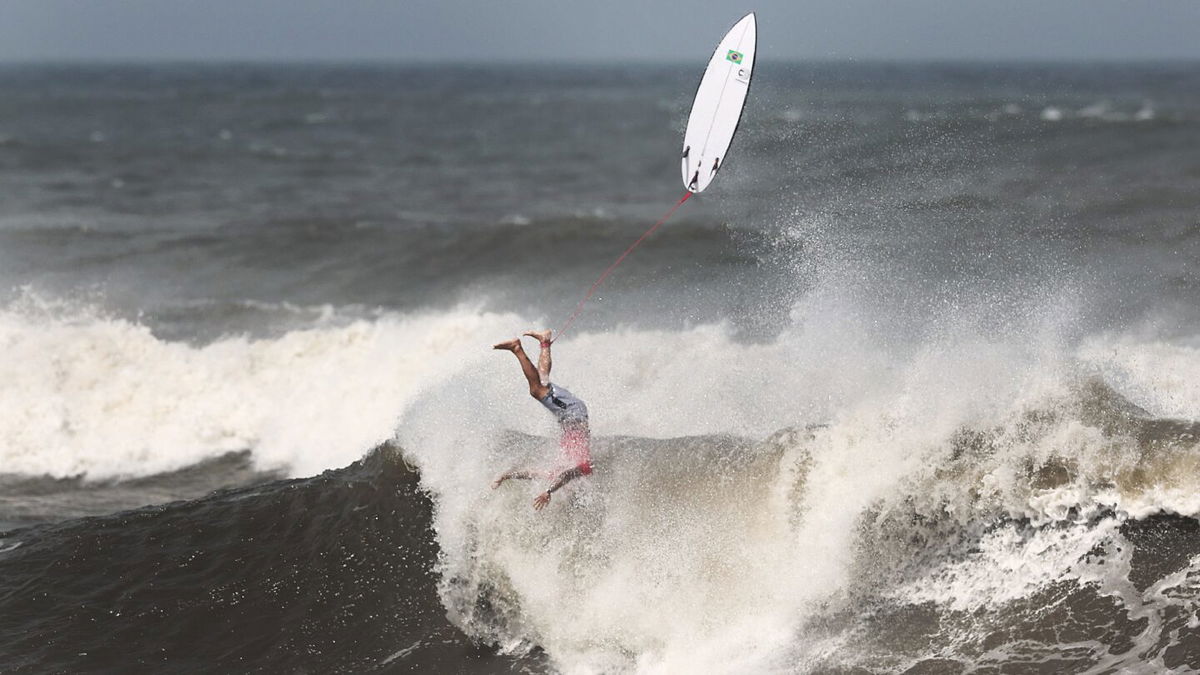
point(594, 30)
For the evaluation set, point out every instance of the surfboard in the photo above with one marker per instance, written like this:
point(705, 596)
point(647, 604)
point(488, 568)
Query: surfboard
point(717, 108)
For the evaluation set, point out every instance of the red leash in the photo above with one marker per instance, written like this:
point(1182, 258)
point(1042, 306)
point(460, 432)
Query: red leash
point(579, 308)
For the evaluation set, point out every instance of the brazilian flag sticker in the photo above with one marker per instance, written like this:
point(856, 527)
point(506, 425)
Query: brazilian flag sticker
point(733, 56)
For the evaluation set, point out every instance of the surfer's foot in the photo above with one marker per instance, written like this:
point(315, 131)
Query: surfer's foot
point(511, 345)
point(542, 336)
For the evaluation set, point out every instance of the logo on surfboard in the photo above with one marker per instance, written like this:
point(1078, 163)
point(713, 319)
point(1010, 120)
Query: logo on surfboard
point(734, 56)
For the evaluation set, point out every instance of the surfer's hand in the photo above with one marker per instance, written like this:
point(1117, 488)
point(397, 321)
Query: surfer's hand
point(541, 501)
point(499, 481)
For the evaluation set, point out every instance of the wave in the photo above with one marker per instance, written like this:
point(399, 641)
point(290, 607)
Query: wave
point(756, 506)
point(712, 551)
point(28, 500)
point(99, 397)
point(331, 574)
point(697, 546)
point(104, 397)
point(727, 554)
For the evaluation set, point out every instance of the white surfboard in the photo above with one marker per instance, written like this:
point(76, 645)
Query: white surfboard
point(718, 105)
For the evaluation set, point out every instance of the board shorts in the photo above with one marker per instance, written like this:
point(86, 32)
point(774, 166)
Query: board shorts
point(569, 410)
point(572, 417)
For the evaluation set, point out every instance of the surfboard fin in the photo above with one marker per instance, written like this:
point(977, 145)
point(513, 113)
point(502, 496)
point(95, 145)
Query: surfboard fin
point(686, 151)
point(695, 179)
point(716, 163)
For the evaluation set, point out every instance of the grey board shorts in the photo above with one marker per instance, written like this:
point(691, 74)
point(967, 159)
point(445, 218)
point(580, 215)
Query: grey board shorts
point(569, 410)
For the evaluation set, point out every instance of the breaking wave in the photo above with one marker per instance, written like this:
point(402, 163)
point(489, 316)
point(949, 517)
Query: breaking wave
point(755, 505)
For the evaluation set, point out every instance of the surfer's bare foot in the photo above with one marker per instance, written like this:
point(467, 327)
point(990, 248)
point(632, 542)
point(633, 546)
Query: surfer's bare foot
point(510, 345)
point(539, 335)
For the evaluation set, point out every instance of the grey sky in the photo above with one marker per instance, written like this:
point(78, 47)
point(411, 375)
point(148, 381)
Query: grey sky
point(594, 30)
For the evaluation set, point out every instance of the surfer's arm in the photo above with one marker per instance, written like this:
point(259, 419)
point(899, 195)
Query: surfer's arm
point(510, 475)
point(566, 477)
point(563, 478)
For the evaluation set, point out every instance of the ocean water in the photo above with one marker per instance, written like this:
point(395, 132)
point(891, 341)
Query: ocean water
point(913, 387)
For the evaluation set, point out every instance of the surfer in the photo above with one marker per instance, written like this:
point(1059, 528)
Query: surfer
point(571, 413)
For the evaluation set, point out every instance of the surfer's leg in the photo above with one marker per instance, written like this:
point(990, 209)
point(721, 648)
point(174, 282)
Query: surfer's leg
point(536, 388)
point(544, 364)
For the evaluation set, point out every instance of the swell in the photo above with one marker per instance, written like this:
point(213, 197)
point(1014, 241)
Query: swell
point(28, 500)
point(358, 261)
point(326, 574)
point(463, 251)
